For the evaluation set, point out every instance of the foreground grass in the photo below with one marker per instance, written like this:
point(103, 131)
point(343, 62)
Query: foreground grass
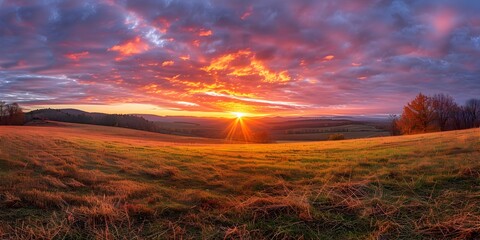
point(79, 181)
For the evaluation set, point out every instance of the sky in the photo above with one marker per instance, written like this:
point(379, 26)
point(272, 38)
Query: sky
point(210, 58)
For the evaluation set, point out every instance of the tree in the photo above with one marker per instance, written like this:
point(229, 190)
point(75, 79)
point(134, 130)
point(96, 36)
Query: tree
point(443, 106)
point(393, 127)
point(2, 111)
point(458, 117)
point(15, 114)
point(472, 110)
point(11, 114)
point(418, 116)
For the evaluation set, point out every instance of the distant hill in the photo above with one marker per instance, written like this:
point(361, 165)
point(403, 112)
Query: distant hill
point(181, 119)
point(277, 128)
point(78, 116)
point(73, 111)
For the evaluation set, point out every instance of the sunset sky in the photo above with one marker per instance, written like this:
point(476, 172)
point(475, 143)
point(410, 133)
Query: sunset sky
point(210, 58)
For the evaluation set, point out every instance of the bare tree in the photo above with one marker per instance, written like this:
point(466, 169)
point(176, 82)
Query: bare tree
point(472, 110)
point(2, 111)
point(443, 105)
point(11, 114)
point(457, 116)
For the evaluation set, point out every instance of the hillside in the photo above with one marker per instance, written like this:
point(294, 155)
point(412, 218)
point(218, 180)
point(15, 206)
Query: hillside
point(103, 119)
point(80, 181)
point(277, 129)
point(88, 131)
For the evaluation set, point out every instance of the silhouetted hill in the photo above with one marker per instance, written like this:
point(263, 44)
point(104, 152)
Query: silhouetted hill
point(78, 116)
point(182, 119)
point(73, 111)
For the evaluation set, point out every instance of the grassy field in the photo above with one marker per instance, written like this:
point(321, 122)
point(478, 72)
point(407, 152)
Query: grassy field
point(69, 181)
point(349, 131)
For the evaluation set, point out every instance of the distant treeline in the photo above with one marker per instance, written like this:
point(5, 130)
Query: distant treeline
point(76, 116)
point(319, 130)
point(11, 114)
point(311, 123)
point(436, 113)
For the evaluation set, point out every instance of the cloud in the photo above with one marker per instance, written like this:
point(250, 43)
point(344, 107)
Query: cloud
point(167, 63)
point(205, 33)
point(77, 56)
point(272, 57)
point(247, 99)
point(244, 64)
point(329, 58)
point(132, 47)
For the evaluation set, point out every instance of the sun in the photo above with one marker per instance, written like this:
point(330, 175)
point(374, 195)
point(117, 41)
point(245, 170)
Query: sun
point(238, 114)
point(238, 129)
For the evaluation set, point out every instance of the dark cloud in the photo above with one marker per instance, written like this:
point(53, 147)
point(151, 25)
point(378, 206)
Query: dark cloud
point(267, 56)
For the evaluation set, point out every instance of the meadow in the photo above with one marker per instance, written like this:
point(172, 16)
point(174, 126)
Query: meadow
point(349, 131)
point(72, 181)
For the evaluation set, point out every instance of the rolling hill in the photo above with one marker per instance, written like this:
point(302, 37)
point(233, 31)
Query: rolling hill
point(277, 128)
point(79, 181)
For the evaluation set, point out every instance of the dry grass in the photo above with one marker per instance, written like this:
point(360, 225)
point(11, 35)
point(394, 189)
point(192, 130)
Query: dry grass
point(260, 207)
point(79, 181)
point(164, 172)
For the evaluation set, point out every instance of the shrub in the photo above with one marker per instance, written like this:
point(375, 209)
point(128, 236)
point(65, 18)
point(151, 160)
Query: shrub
point(336, 136)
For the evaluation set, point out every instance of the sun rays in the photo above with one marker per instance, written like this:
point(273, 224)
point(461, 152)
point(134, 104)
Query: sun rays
point(238, 129)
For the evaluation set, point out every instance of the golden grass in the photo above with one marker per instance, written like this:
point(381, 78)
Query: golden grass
point(80, 181)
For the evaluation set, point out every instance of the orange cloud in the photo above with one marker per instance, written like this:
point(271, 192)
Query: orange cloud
point(226, 65)
point(205, 33)
point(159, 90)
point(76, 56)
point(129, 48)
point(185, 58)
point(255, 100)
point(167, 63)
point(328, 58)
point(236, 106)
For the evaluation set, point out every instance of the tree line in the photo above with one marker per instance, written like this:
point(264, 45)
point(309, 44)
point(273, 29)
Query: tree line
point(435, 113)
point(114, 120)
point(11, 114)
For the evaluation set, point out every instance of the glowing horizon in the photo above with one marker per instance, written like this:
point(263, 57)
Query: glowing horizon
point(239, 114)
point(209, 59)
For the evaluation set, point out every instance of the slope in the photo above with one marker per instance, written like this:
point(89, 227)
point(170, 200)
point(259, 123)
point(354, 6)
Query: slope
point(79, 181)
